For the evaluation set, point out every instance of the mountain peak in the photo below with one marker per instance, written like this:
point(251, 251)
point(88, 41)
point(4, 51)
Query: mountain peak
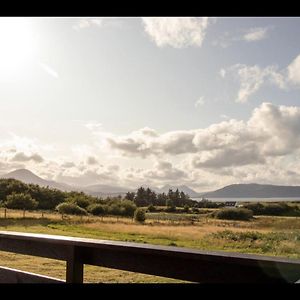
point(28, 177)
point(22, 172)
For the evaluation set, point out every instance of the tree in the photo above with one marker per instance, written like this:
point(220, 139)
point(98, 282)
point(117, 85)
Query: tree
point(139, 215)
point(170, 205)
point(81, 200)
point(97, 209)
point(129, 207)
point(70, 209)
point(141, 197)
point(20, 201)
point(130, 196)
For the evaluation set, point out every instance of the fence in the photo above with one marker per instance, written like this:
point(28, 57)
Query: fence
point(172, 262)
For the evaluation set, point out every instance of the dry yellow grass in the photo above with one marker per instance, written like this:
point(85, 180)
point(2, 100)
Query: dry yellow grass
point(162, 232)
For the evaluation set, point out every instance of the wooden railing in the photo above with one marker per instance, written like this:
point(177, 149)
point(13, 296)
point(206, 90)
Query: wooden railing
point(172, 262)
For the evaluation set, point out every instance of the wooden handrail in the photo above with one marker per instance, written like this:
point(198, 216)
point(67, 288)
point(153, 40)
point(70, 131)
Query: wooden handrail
point(172, 262)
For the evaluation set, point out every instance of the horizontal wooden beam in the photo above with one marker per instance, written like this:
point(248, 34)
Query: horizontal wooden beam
point(172, 262)
point(8, 275)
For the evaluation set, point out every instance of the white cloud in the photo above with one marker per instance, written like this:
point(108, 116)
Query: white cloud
point(87, 22)
point(294, 71)
point(255, 34)
point(222, 73)
point(200, 102)
point(264, 148)
point(246, 35)
point(176, 32)
point(271, 131)
point(252, 78)
point(94, 126)
point(22, 157)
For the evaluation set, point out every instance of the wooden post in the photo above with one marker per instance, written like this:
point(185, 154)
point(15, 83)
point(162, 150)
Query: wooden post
point(4, 213)
point(74, 272)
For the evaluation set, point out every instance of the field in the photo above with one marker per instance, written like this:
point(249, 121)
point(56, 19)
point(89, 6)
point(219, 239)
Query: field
point(274, 236)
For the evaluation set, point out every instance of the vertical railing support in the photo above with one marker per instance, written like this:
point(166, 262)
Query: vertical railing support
point(74, 271)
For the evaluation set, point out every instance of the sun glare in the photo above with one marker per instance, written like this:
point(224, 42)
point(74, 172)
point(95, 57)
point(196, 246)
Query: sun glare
point(17, 45)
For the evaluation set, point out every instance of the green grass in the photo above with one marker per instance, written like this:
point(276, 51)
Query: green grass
point(274, 236)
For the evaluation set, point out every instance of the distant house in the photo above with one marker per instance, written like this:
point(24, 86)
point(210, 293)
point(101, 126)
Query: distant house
point(230, 204)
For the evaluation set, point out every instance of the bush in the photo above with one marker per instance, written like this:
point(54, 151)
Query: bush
point(97, 209)
point(151, 208)
point(80, 200)
point(186, 208)
point(273, 209)
point(20, 201)
point(195, 210)
point(257, 208)
point(234, 214)
point(128, 208)
point(116, 209)
point(70, 209)
point(139, 215)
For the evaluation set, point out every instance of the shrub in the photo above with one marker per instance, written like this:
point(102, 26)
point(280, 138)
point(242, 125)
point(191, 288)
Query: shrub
point(151, 208)
point(70, 209)
point(116, 209)
point(257, 208)
point(97, 209)
point(20, 201)
point(139, 215)
point(186, 208)
point(234, 214)
point(273, 209)
point(128, 208)
point(195, 210)
point(170, 206)
point(80, 200)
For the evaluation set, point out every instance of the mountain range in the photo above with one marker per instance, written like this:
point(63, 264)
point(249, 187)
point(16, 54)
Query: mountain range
point(231, 191)
point(254, 190)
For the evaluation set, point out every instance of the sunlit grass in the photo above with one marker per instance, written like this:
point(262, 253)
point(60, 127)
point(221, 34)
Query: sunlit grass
point(274, 236)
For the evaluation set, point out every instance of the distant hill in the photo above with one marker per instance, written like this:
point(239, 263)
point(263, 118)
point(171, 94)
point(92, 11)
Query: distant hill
point(105, 190)
point(183, 188)
point(254, 190)
point(27, 176)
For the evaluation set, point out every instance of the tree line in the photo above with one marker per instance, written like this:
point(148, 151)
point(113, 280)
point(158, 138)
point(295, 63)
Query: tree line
point(18, 195)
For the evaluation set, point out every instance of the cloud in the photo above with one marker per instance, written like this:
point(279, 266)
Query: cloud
point(240, 156)
point(271, 131)
point(176, 32)
point(164, 171)
point(294, 71)
point(222, 73)
point(200, 102)
point(88, 22)
point(68, 164)
point(244, 35)
point(255, 34)
point(49, 70)
point(91, 160)
point(21, 157)
point(252, 78)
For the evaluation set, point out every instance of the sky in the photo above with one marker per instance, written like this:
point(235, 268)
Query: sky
point(204, 102)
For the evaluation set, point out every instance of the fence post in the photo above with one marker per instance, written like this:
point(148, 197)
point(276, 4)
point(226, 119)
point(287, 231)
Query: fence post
point(4, 213)
point(74, 272)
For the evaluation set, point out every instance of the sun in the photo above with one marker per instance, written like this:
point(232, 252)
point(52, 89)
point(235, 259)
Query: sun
point(17, 44)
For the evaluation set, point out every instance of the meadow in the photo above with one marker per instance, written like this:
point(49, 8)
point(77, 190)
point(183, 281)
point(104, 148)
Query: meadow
point(265, 235)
